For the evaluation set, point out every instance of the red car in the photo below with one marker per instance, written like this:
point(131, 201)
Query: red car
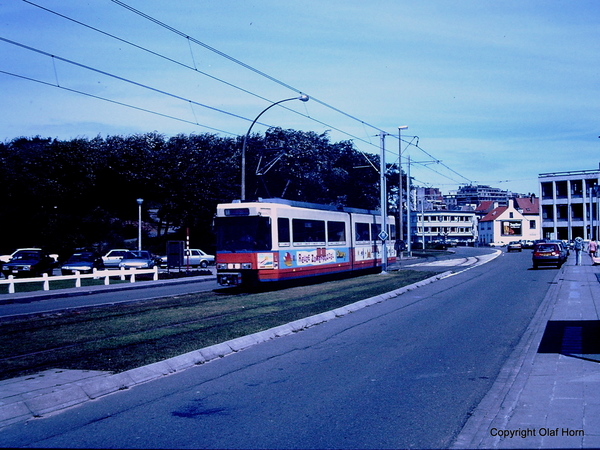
point(548, 254)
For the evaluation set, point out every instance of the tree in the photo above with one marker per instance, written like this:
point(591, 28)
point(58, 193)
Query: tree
point(308, 167)
point(81, 193)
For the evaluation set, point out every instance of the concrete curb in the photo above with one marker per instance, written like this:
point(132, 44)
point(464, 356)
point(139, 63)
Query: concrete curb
point(65, 396)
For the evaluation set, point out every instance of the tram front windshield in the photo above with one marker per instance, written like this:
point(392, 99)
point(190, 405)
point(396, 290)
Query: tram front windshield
point(239, 234)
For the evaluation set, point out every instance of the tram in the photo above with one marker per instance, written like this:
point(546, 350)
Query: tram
point(275, 239)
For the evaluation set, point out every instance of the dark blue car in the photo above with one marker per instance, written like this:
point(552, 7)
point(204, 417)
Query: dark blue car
point(31, 262)
point(82, 262)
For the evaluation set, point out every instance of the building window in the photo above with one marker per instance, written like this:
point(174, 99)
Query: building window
point(547, 190)
point(532, 225)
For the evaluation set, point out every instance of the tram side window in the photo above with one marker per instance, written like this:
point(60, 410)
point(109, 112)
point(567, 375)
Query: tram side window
point(308, 231)
point(336, 232)
point(375, 231)
point(392, 228)
point(362, 232)
point(283, 231)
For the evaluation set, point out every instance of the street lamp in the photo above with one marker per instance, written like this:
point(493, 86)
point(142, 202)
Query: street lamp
point(303, 98)
point(139, 202)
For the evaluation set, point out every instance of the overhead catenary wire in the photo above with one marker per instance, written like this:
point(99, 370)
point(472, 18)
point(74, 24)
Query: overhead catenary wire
point(190, 40)
point(441, 163)
point(189, 101)
point(152, 52)
point(194, 68)
point(168, 116)
point(117, 77)
point(241, 63)
point(427, 164)
point(84, 66)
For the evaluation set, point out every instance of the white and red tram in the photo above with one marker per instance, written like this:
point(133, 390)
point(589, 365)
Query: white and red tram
point(277, 239)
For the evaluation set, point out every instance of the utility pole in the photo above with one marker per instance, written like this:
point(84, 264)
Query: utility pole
point(383, 235)
point(400, 193)
point(409, 249)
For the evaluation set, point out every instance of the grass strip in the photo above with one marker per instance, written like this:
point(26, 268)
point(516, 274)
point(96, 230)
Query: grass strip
point(121, 337)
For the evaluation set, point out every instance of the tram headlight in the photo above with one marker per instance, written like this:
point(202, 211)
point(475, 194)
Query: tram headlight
point(234, 266)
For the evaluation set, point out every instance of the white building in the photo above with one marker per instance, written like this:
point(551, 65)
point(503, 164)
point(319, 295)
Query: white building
point(431, 226)
point(505, 224)
point(569, 204)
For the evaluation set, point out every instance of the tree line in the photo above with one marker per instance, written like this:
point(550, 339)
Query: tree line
point(81, 193)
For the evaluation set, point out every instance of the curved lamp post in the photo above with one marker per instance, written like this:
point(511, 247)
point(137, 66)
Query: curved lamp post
point(303, 98)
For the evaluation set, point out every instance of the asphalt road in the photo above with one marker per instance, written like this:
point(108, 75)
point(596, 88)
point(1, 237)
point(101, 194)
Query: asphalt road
point(405, 373)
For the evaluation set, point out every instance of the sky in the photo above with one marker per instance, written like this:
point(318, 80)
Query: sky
point(492, 92)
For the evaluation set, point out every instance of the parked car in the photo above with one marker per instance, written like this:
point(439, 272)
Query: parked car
point(514, 246)
point(82, 262)
point(564, 244)
point(193, 257)
point(29, 262)
point(7, 258)
point(137, 259)
point(527, 244)
point(113, 258)
point(548, 254)
point(198, 258)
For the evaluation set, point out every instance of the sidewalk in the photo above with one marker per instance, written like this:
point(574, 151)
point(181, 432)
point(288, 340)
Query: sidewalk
point(548, 393)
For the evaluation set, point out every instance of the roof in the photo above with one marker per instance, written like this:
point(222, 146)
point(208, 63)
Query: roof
point(494, 214)
point(485, 206)
point(527, 205)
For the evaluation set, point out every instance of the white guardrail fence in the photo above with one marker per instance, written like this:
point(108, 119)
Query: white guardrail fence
point(122, 273)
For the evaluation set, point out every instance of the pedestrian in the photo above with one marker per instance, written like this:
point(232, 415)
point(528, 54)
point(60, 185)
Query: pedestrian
point(592, 248)
point(578, 249)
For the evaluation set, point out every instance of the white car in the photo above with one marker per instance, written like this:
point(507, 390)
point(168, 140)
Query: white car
point(113, 257)
point(194, 257)
point(197, 258)
point(137, 259)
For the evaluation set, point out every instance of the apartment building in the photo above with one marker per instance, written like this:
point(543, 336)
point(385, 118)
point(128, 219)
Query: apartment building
point(473, 195)
point(569, 204)
point(453, 226)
